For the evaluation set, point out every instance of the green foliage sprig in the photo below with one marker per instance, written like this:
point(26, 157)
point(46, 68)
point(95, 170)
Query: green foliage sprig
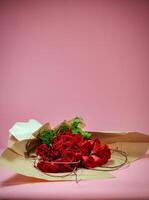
point(76, 129)
point(46, 136)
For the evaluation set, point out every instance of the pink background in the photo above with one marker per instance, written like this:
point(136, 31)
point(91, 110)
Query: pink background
point(61, 58)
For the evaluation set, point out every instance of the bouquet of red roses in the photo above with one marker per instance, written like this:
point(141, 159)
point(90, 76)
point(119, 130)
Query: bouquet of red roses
point(68, 147)
point(67, 152)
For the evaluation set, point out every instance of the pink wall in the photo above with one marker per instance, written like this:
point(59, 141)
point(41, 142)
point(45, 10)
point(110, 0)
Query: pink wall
point(61, 58)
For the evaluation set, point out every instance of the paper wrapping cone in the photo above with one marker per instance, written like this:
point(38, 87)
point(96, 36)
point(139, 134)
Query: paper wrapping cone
point(134, 144)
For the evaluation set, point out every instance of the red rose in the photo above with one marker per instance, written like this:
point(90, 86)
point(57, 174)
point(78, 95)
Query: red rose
point(105, 152)
point(78, 139)
point(96, 147)
point(92, 142)
point(88, 162)
point(68, 139)
point(78, 155)
point(69, 155)
point(56, 153)
point(47, 166)
point(41, 149)
point(54, 140)
point(62, 141)
point(42, 166)
point(72, 154)
point(98, 160)
point(50, 154)
point(57, 142)
point(66, 145)
point(45, 152)
point(64, 167)
point(86, 148)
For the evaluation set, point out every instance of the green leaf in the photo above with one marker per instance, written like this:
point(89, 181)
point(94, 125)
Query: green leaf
point(75, 123)
point(85, 134)
point(76, 130)
point(63, 127)
point(46, 136)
